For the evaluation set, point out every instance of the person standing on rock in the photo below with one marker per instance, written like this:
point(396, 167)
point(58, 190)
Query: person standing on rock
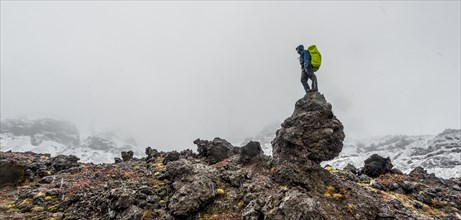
point(307, 70)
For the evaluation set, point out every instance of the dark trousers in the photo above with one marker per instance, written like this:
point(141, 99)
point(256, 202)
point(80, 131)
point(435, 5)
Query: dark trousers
point(306, 74)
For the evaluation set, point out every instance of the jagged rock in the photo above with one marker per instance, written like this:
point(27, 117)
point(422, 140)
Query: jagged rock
point(167, 217)
point(250, 151)
point(351, 168)
point(309, 175)
point(253, 210)
point(187, 153)
point(426, 196)
point(63, 162)
point(179, 168)
point(214, 151)
point(364, 178)
point(421, 173)
point(122, 199)
point(297, 206)
point(417, 204)
point(235, 179)
point(47, 179)
point(171, 156)
point(376, 165)
point(393, 186)
point(151, 154)
point(409, 187)
point(42, 172)
point(127, 155)
point(377, 185)
point(190, 198)
point(34, 167)
point(396, 171)
point(311, 133)
point(132, 213)
point(11, 173)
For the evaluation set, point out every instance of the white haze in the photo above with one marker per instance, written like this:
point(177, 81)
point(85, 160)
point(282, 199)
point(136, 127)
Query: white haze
point(170, 72)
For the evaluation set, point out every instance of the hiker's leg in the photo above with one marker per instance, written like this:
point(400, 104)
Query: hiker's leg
point(314, 82)
point(312, 77)
point(304, 81)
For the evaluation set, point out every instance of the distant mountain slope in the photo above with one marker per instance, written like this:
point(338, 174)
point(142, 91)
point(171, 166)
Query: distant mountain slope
point(439, 154)
point(61, 137)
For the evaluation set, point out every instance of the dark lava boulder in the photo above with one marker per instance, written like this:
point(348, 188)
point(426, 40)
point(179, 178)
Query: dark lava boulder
point(376, 165)
point(421, 173)
point(127, 155)
point(310, 175)
point(312, 132)
point(250, 151)
point(171, 156)
point(151, 154)
point(351, 168)
point(11, 173)
point(214, 151)
point(297, 205)
point(192, 197)
point(63, 162)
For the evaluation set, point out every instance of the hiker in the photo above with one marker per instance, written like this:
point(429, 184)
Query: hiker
point(307, 70)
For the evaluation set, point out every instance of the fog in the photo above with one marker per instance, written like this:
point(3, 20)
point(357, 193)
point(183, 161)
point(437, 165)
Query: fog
point(167, 73)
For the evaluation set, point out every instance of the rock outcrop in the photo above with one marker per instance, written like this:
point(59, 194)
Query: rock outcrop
point(250, 151)
point(376, 165)
point(63, 162)
point(127, 155)
point(214, 151)
point(311, 133)
point(11, 173)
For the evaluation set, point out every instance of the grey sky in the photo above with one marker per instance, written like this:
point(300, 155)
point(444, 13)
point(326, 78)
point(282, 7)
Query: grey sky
point(170, 72)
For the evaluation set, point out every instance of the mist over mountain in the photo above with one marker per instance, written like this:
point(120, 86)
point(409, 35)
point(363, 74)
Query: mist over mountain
point(52, 136)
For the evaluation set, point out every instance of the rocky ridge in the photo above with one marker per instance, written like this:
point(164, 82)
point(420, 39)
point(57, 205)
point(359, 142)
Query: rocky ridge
point(240, 183)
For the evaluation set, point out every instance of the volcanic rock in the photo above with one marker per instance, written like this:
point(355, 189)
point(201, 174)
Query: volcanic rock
point(376, 165)
point(250, 151)
point(312, 132)
point(151, 154)
point(171, 156)
point(214, 151)
point(11, 173)
point(421, 173)
point(127, 155)
point(297, 205)
point(63, 162)
point(351, 168)
point(190, 198)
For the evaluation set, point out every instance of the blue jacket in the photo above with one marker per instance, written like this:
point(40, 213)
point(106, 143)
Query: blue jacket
point(304, 57)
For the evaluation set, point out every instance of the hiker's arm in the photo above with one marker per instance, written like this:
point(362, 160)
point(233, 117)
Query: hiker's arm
point(306, 58)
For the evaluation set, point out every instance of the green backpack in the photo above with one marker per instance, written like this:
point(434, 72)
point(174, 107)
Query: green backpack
point(316, 58)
